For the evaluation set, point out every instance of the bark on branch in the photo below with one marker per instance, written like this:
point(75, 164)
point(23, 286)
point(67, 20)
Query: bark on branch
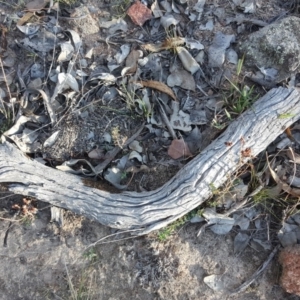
point(247, 136)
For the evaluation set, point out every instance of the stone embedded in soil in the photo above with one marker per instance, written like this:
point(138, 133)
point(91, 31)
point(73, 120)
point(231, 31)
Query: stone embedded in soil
point(290, 261)
point(275, 46)
point(139, 13)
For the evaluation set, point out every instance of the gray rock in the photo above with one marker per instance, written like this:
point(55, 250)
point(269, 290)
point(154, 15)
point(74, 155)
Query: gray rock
point(275, 46)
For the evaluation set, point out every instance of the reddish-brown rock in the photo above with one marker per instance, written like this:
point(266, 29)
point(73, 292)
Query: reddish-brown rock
point(139, 13)
point(290, 261)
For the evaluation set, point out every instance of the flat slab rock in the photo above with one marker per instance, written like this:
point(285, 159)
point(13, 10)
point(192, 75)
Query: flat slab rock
point(275, 46)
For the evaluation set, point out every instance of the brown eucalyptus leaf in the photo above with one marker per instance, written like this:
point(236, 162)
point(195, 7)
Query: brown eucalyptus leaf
point(178, 149)
point(160, 86)
point(131, 62)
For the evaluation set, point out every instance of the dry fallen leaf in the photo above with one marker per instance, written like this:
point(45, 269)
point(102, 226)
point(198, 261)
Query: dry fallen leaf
point(131, 62)
point(178, 149)
point(183, 79)
point(36, 5)
point(160, 86)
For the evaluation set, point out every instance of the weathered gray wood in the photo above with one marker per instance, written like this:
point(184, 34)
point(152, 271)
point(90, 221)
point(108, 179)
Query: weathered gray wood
point(253, 130)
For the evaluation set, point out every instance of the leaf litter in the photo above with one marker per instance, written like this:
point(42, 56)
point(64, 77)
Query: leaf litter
point(165, 80)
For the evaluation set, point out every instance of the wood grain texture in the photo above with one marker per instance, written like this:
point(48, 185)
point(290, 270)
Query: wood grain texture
point(247, 136)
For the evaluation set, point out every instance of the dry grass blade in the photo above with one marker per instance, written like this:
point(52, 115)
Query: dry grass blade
point(8, 90)
point(160, 86)
point(295, 157)
point(284, 186)
point(170, 43)
point(25, 18)
point(48, 104)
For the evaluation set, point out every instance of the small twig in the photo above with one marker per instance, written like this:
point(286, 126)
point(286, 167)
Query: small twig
point(256, 273)
point(241, 204)
point(49, 106)
point(8, 229)
point(165, 118)
point(71, 286)
point(111, 235)
point(54, 49)
point(99, 168)
point(8, 90)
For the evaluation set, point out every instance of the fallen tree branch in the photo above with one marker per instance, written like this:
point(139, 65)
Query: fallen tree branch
point(247, 136)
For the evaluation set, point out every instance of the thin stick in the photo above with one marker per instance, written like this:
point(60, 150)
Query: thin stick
point(111, 235)
point(8, 90)
point(256, 273)
point(99, 168)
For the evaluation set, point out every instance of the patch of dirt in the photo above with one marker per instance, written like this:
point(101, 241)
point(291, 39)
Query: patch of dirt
point(43, 261)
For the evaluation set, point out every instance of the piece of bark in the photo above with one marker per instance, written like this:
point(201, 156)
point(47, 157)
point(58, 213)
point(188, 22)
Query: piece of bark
point(245, 137)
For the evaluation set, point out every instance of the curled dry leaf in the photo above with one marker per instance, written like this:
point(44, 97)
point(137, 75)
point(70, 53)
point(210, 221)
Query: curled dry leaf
point(193, 44)
point(66, 80)
point(120, 57)
point(168, 20)
point(29, 29)
point(134, 154)
point(131, 62)
point(114, 176)
point(178, 149)
point(160, 86)
point(17, 127)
